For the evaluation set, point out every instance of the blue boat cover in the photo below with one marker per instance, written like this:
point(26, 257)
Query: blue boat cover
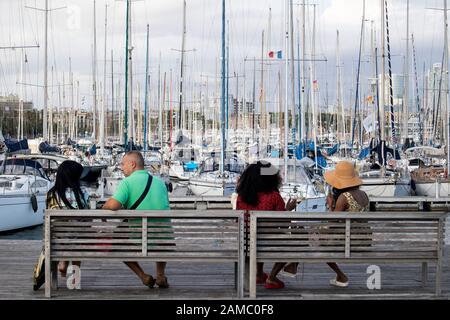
point(14, 146)
point(45, 147)
point(191, 166)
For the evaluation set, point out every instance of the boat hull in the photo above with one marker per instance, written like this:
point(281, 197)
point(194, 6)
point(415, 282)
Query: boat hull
point(386, 190)
point(211, 189)
point(432, 189)
point(16, 212)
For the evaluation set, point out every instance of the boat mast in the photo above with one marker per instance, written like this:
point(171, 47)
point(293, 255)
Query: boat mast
point(113, 123)
point(146, 90)
point(72, 111)
point(286, 106)
point(20, 127)
point(44, 117)
point(300, 93)
point(94, 78)
point(127, 130)
point(227, 100)
point(222, 104)
point(339, 95)
point(407, 64)
point(254, 101)
point(314, 86)
point(170, 112)
point(161, 113)
point(383, 85)
point(292, 59)
point(303, 101)
point(104, 102)
point(183, 44)
point(446, 64)
point(391, 92)
point(357, 97)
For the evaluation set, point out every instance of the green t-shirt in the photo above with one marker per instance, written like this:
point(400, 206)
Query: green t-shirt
point(132, 187)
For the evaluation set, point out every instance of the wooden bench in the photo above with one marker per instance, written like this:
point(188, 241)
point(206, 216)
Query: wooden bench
point(347, 238)
point(182, 236)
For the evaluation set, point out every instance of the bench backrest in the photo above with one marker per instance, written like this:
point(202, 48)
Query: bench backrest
point(169, 235)
point(347, 236)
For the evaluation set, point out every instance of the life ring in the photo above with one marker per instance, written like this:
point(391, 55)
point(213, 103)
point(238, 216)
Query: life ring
point(34, 203)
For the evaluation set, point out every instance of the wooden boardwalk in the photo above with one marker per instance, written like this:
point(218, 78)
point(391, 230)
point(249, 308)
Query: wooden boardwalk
point(208, 281)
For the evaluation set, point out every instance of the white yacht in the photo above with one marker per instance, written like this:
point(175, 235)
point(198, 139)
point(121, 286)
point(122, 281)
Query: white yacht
point(23, 190)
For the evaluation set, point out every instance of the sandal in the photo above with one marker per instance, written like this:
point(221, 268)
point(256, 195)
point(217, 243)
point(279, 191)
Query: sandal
point(150, 283)
point(162, 282)
point(277, 284)
point(263, 279)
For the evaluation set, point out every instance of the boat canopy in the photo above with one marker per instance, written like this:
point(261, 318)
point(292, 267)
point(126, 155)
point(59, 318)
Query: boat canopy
point(22, 167)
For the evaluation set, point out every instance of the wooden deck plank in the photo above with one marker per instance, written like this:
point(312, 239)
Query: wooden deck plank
point(209, 281)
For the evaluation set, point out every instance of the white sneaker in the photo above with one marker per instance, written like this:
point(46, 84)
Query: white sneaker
point(287, 274)
point(339, 284)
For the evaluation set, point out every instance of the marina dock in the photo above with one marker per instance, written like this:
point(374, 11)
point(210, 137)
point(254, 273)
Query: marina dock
point(210, 281)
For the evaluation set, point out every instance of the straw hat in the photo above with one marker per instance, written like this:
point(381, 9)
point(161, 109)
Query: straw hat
point(343, 177)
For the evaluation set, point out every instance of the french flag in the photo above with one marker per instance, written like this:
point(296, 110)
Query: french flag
point(278, 53)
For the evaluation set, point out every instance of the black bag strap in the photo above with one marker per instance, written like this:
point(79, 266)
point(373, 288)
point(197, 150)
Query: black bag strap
point(144, 194)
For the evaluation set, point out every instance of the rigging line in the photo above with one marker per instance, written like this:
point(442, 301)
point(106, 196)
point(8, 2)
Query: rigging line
point(5, 85)
point(417, 92)
point(391, 93)
point(52, 29)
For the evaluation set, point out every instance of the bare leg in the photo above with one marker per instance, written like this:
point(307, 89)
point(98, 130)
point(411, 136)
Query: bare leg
point(145, 278)
point(160, 269)
point(260, 270)
point(291, 268)
point(161, 279)
point(62, 268)
point(340, 276)
point(275, 270)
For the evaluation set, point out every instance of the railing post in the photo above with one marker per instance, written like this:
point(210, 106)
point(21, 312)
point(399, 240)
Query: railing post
point(253, 258)
point(347, 237)
point(144, 236)
point(440, 248)
point(47, 239)
point(241, 262)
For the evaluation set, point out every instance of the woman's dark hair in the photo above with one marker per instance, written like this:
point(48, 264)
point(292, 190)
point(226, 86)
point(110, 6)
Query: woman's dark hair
point(68, 176)
point(258, 177)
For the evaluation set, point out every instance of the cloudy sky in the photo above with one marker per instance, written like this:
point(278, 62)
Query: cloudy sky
point(71, 36)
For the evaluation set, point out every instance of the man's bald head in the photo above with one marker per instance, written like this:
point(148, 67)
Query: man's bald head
point(131, 162)
point(137, 157)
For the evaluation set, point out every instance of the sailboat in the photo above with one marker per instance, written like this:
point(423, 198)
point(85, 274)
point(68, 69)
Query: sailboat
point(23, 189)
point(383, 174)
point(220, 181)
point(434, 181)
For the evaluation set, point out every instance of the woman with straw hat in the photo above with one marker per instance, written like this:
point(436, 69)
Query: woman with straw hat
point(345, 196)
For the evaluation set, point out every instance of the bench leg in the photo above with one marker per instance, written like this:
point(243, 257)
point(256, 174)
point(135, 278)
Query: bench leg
point(54, 275)
point(438, 278)
point(247, 274)
point(424, 274)
point(236, 275)
point(48, 279)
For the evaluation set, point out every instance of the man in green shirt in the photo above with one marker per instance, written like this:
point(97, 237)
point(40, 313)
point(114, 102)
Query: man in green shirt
point(128, 193)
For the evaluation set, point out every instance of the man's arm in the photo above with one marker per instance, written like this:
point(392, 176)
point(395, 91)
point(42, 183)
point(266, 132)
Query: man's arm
point(112, 204)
